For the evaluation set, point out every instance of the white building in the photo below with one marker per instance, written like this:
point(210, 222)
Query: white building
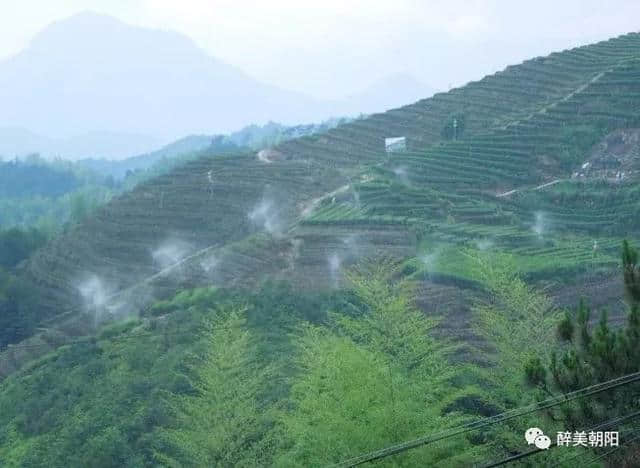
point(395, 144)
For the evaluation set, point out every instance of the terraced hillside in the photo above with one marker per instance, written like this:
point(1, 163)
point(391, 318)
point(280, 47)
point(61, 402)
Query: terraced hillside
point(511, 178)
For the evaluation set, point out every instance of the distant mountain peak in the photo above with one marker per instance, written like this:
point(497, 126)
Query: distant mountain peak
point(93, 16)
point(86, 20)
point(92, 72)
point(88, 28)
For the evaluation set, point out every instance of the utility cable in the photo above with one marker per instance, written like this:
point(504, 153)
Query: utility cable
point(534, 451)
point(508, 415)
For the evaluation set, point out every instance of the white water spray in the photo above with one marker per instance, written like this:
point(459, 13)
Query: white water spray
point(93, 291)
point(335, 262)
point(265, 215)
point(95, 295)
point(354, 193)
point(484, 244)
point(429, 262)
point(169, 254)
point(209, 263)
point(401, 174)
point(263, 155)
point(540, 224)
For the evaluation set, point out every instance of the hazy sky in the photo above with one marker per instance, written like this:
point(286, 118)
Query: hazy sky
point(331, 48)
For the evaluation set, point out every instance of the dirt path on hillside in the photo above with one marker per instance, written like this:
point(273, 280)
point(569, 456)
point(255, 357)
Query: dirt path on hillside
point(522, 189)
point(306, 211)
point(579, 89)
point(316, 201)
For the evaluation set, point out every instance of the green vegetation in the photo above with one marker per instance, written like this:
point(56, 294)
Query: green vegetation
point(223, 392)
point(220, 377)
point(17, 245)
point(454, 128)
point(594, 353)
point(529, 125)
point(277, 343)
point(17, 297)
point(372, 379)
point(33, 177)
point(53, 195)
point(222, 421)
point(48, 194)
point(18, 313)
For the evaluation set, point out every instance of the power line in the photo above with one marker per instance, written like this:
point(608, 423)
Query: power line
point(609, 452)
point(508, 415)
point(534, 451)
point(579, 454)
point(609, 423)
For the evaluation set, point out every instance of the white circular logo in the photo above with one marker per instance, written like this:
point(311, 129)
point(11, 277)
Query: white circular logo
point(535, 436)
point(531, 434)
point(543, 442)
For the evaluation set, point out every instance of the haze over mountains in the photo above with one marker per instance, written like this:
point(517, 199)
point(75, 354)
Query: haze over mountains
point(113, 145)
point(92, 86)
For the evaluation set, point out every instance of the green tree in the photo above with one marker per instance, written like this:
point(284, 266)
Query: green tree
point(515, 323)
point(594, 354)
point(17, 245)
point(454, 128)
point(224, 422)
point(18, 316)
point(372, 379)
